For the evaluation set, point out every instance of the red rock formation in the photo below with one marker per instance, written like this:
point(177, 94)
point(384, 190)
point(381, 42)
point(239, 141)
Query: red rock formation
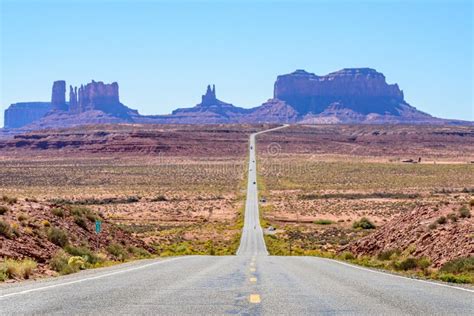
point(58, 96)
point(97, 94)
point(363, 90)
point(73, 103)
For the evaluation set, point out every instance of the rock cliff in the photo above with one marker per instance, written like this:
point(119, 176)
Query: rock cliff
point(24, 113)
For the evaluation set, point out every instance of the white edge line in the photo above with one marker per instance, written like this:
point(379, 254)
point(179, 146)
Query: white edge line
point(90, 278)
point(398, 276)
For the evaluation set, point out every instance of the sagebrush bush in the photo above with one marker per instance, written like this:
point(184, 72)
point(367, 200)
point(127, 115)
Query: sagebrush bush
point(58, 237)
point(138, 252)
point(388, 254)
point(5, 229)
point(4, 209)
point(453, 217)
point(9, 200)
point(118, 251)
point(59, 263)
point(346, 255)
point(453, 278)
point(363, 223)
point(84, 252)
point(464, 212)
point(20, 269)
point(406, 264)
point(22, 217)
point(460, 265)
point(441, 220)
point(56, 211)
point(81, 222)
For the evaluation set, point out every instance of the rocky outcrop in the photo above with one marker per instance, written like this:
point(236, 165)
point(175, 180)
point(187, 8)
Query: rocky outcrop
point(441, 244)
point(58, 96)
point(20, 114)
point(362, 90)
point(210, 111)
point(272, 111)
point(98, 96)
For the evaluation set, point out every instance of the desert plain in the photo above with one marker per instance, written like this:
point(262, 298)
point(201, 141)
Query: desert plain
point(359, 191)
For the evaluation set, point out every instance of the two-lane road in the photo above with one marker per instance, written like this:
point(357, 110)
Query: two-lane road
point(250, 283)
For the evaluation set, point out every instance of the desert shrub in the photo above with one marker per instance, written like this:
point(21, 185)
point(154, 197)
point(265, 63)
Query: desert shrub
point(5, 229)
point(441, 220)
point(453, 217)
point(4, 209)
point(459, 265)
point(409, 263)
point(22, 217)
point(117, 251)
point(3, 275)
point(81, 222)
point(45, 223)
point(27, 267)
point(423, 263)
point(59, 212)
point(323, 222)
point(77, 263)
point(453, 278)
point(91, 217)
point(432, 226)
point(58, 237)
point(471, 203)
point(464, 212)
point(31, 200)
point(363, 223)
point(84, 252)
point(138, 252)
point(9, 200)
point(78, 210)
point(21, 269)
point(388, 254)
point(346, 255)
point(59, 263)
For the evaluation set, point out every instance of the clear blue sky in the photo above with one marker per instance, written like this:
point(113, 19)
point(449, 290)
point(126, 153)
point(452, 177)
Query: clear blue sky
point(163, 54)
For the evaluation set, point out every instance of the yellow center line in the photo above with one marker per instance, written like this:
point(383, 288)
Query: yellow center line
point(253, 280)
point(253, 269)
point(254, 298)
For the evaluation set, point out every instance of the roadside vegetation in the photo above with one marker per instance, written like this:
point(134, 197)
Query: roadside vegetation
point(59, 238)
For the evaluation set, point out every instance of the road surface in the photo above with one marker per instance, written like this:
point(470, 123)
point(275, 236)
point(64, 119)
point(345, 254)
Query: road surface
point(250, 283)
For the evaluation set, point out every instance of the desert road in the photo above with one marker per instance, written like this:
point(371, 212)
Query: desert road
point(252, 282)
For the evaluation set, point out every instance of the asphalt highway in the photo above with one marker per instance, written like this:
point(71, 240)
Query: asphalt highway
point(251, 283)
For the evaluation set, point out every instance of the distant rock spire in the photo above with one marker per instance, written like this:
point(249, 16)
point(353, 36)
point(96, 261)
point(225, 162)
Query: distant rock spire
point(58, 96)
point(73, 99)
point(210, 97)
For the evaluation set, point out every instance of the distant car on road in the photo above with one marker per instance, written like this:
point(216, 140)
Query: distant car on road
point(254, 182)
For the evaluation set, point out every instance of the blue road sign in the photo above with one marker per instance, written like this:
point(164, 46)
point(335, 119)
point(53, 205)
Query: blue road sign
point(98, 226)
